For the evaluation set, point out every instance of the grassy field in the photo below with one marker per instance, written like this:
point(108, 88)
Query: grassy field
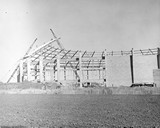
point(55, 88)
point(70, 111)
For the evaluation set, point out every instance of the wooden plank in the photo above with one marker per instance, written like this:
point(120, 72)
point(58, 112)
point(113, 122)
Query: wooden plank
point(51, 52)
point(29, 69)
point(65, 54)
point(65, 73)
point(106, 76)
point(158, 58)
point(41, 75)
point(18, 74)
point(92, 58)
point(21, 71)
point(49, 61)
point(87, 74)
point(131, 65)
point(80, 68)
point(36, 70)
point(58, 68)
point(42, 46)
point(69, 59)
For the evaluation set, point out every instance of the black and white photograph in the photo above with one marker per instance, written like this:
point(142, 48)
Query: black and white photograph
point(80, 63)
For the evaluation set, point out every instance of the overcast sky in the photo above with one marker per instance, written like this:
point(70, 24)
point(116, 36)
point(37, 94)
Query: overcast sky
point(81, 24)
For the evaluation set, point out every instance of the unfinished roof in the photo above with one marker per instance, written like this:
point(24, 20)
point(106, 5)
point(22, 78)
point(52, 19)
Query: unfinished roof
point(94, 58)
point(69, 59)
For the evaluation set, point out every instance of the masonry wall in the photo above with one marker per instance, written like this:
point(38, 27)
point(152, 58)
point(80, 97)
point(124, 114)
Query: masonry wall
point(156, 77)
point(118, 71)
point(143, 68)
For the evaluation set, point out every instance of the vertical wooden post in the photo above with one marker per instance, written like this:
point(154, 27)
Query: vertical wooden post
point(158, 58)
point(35, 69)
point(21, 71)
point(29, 69)
point(87, 74)
point(64, 73)
point(18, 76)
point(131, 65)
point(52, 73)
point(99, 73)
point(58, 68)
point(41, 75)
point(44, 73)
point(80, 68)
point(105, 78)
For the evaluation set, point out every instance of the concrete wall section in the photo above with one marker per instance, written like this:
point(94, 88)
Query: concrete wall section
point(156, 77)
point(118, 71)
point(143, 68)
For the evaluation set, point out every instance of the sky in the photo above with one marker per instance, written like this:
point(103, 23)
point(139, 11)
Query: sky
point(81, 25)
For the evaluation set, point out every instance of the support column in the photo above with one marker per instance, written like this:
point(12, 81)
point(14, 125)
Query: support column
point(18, 76)
point(35, 69)
point(99, 74)
point(41, 75)
point(131, 65)
point(158, 58)
point(105, 78)
point(58, 68)
point(87, 74)
point(29, 69)
point(52, 74)
point(80, 68)
point(21, 71)
point(64, 73)
point(44, 73)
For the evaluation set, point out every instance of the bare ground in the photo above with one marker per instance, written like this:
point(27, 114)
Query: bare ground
point(80, 111)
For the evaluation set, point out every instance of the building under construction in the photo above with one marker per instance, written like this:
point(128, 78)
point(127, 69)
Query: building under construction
point(49, 63)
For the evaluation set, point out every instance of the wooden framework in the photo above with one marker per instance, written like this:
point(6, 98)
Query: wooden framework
point(62, 65)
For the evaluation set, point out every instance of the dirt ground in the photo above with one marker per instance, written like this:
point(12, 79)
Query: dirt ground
point(70, 111)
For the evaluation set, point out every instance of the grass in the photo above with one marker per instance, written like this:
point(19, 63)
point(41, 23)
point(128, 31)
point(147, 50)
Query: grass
point(70, 111)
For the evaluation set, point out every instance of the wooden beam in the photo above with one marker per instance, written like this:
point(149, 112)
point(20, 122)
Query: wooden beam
point(35, 69)
point(131, 65)
point(151, 51)
point(99, 74)
point(58, 68)
point(84, 54)
point(87, 74)
point(72, 57)
point(90, 60)
point(18, 75)
point(58, 53)
point(106, 76)
point(41, 75)
point(42, 46)
point(50, 52)
point(80, 68)
point(65, 73)
point(21, 71)
point(29, 69)
point(65, 54)
point(158, 58)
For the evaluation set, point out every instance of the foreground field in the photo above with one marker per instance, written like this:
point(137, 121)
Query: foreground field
point(80, 110)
